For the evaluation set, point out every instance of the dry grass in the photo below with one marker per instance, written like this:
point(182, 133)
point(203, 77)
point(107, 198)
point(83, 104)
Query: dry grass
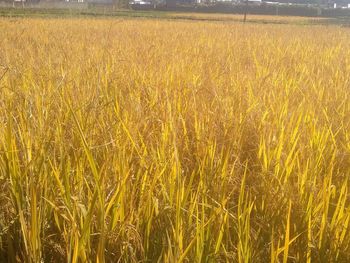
point(168, 141)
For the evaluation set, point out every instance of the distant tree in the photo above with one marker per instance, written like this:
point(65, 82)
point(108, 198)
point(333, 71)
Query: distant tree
point(121, 3)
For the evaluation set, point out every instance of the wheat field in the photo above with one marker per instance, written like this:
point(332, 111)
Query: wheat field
point(139, 140)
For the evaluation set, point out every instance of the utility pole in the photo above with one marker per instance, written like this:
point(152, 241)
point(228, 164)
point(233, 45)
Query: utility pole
point(245, 11)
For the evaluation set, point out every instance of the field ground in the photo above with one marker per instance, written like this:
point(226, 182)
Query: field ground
point(126, 13)
point(167, 140)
